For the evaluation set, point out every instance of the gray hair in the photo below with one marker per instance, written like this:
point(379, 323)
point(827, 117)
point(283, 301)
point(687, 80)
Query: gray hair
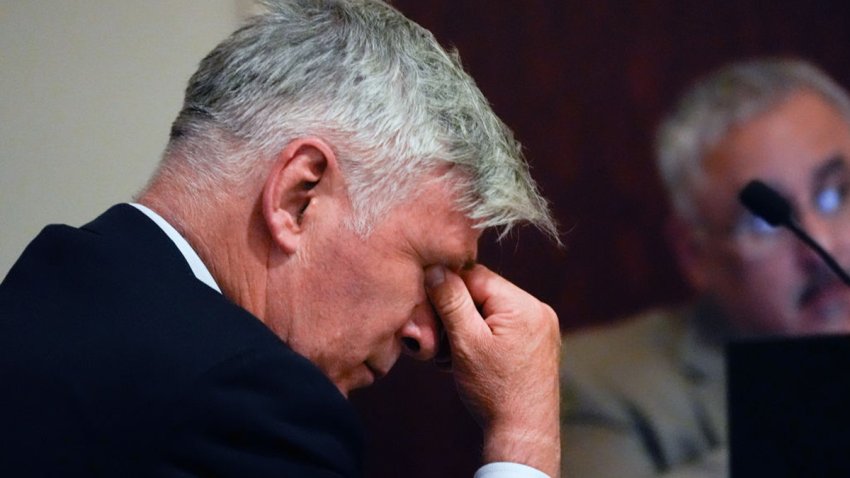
point(721, 101)
point(395, 107)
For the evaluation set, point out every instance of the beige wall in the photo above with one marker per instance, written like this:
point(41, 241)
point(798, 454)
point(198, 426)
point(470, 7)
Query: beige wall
point(88, 89)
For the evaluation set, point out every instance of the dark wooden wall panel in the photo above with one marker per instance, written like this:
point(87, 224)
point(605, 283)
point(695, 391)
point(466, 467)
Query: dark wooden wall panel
point(582, 84)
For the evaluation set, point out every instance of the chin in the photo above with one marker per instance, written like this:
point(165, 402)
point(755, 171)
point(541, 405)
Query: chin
point(354, 382)
point(344, 390)
point(346, 385)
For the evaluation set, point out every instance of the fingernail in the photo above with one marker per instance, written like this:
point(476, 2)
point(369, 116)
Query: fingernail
point(434, 276)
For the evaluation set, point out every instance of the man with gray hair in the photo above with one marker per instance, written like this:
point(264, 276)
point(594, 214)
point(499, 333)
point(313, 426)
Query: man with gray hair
point(647, 396)
point(315, 214)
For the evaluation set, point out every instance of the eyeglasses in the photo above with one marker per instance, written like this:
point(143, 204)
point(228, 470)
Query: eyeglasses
point(752, 237)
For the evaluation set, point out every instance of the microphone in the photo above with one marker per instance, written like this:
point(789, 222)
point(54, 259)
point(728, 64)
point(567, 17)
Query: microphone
point(763, 201)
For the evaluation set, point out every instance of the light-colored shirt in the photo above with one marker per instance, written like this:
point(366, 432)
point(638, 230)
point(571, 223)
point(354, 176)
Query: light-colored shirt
point(501, 469)
point(490, 470)
point(198, 268)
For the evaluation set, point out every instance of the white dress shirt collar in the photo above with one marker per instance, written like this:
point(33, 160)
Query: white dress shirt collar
point(195, 263)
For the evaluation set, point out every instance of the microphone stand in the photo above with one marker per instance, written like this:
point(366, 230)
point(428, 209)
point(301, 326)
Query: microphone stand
point(827, 258)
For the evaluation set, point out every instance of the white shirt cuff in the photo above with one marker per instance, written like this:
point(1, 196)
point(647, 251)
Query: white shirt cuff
point(504, 469)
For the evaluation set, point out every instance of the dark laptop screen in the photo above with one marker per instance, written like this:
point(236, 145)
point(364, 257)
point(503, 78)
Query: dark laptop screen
point(789, 407)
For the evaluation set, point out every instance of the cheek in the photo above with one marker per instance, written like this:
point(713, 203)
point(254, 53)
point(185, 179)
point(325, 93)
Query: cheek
point(390, 286)
point(761, 282)
point(379, 302)
point(778, 273)
point(767, 287)
point(776, 269)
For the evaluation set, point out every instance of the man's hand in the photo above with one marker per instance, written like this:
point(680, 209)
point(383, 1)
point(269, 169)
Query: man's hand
point(505, 362)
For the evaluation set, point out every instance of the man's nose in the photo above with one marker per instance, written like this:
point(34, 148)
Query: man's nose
point(421, 334)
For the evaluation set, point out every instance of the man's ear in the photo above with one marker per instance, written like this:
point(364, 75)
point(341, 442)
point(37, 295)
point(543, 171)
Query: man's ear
point(291, 188)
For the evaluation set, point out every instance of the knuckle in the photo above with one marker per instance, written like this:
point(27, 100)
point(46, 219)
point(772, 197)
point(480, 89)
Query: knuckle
point(545, 321)
point(551, 316)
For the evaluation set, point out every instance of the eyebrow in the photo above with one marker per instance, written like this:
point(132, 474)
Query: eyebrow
point(461, 263)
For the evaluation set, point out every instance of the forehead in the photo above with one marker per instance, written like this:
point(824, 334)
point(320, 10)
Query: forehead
point(785, 147)
point(434, 228)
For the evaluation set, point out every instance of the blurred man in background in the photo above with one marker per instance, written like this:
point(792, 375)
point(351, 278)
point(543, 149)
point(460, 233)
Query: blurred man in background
point(646, 396)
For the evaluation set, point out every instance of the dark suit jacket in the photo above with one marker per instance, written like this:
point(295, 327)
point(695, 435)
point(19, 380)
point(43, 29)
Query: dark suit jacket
point(116, 361)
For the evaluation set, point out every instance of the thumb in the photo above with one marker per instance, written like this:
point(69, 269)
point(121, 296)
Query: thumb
point(453, 303)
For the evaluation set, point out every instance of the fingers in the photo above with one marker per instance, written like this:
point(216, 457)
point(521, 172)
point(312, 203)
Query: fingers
point(453, 302)
point(504, 347)
point(491, 292)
